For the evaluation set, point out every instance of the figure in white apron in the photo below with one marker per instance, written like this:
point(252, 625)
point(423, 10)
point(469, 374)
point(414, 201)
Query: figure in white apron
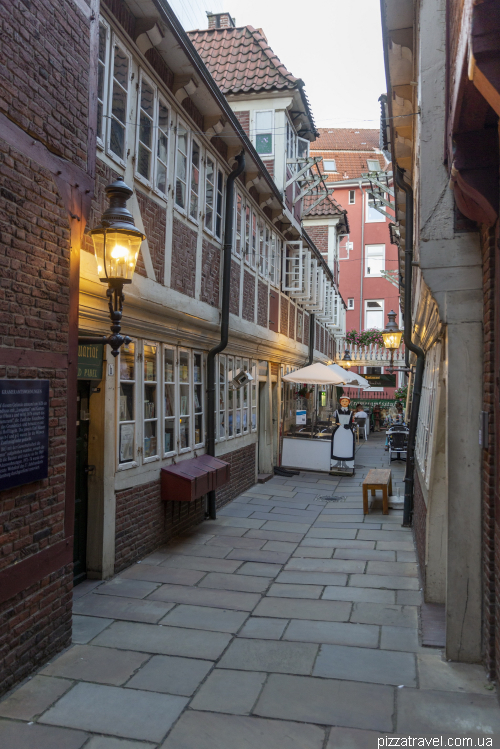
point(343, 441)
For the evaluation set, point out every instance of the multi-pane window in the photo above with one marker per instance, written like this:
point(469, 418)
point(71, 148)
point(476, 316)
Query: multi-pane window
point(302, 148)
point(262, 248)
point(374, 259)
point(253, 387)
point(126, 404)
point(352, 197)
point(350, 303)
point(264, 132)
point(146, 129)
point(150, 429)
point(372, 215)
point(291, 141)
point(195, 180)
point(236, 412)
point(238, 400)
point(253, 259)
point(169, 374)
point(209, 194)
point(230, 397)
point(239, 225)
point(184, 400)
point(181, 173)
point(245, 401)
point(219, 203)
point(221, 421)
point(373, 165)
point(119, 101)
point(102, 80)
point(198, 398)
point(247, 233)
point(162, 147)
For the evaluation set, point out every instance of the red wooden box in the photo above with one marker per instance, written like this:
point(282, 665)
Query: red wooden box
point(191, 479)
point(221, 470)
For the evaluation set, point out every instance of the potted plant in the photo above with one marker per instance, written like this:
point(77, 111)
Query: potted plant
point(304, 391)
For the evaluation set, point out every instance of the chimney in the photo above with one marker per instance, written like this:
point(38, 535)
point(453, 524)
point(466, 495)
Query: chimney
point(220, 20)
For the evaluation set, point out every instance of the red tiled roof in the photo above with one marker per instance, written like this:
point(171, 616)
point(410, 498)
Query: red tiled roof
point(240, 60)
point(350, 164)
point(347, 139)
point(328, 206)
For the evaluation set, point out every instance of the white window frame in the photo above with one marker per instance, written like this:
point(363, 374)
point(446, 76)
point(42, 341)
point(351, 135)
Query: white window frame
point(352, 197)
point(115, 42)
point(329, 170)
point(174, 419)
point(104, 101)
point(167, 131)
point(201, 411)
point(350, 303)
point(181, 209)
point(366, 308)
point(378, 168)
point(264, 131)
point(308, 146)
point(149, 181)
point(189, 415)
point(239, 215)
point(370, 248)
point(377, 217)
point(144, 383)
point(219, 202)
point(137, 383)
point(294, 256)
point(199, 195)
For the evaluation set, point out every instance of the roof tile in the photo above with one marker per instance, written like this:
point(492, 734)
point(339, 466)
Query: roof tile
point(347, 139)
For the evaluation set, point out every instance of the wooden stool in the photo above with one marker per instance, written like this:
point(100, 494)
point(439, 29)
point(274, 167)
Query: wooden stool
point(378, 478)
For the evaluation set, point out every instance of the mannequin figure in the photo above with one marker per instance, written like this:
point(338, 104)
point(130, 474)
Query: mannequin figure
point(343, 440)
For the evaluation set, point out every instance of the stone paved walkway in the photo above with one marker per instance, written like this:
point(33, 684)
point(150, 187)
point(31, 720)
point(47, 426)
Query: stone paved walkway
point(291, 622)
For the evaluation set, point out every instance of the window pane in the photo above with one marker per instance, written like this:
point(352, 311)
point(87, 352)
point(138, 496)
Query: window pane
point(150, 363)
point(195, 180)
point(169, 400)
point(209, 195)
point(143, 161)
point(145, 130)
point(220, 188)
point(147, 99)
point(127, 370)
point(184, 433)
point(150, 439)
point(264, 120)
point(169, 436)
point(126, 402)
point(197, 373)
point(184, 396)
point(184, 366)
point(198, 429)
point(117, 139)
point(161, 177)
point(264, 143)
point(120, 70)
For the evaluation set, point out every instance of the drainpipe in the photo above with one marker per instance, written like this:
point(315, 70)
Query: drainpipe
point(419, 369)
point(312, 331)
point(224, 327)
point(361, 302)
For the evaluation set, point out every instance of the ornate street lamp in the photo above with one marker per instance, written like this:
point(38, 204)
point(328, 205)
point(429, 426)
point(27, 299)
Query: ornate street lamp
point(392, 337)
point(346, 359)
point(117, 242)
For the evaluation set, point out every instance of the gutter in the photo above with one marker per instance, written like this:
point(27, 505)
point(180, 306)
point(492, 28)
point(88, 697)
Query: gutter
point(224, 327)
point(419, 369)
point(312, 330)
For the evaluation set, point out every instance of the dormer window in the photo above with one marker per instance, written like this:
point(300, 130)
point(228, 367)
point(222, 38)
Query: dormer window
point(373, 165)
point(264, 132)
point(329, 165)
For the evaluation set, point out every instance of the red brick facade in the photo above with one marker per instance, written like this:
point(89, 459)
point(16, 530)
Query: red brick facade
point(319, 235)
point(262, 302)
point(210, 273)
point(154, 219)
point(183, 271)
point(44, 93)
point(243, 473)
point(234, 301)
point(144, 522)
point(248, 312)
point(291, 321)
point(284, 315)
point(244, 120)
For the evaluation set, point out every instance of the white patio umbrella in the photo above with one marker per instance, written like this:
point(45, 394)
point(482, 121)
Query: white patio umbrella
point(316, 374)
point(352, 379)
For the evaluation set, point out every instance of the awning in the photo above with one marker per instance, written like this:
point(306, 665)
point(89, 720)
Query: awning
point(352, 379)
point(315, 374)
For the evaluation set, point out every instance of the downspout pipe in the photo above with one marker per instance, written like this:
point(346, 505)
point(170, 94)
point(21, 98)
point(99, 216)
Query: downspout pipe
point(419, 369)
point(312, 330)
point(224, 327)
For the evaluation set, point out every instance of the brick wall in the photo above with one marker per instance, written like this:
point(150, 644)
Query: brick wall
point(183, 268)
point(262, 302)
point(44, 93)
point(243, 473)
point(269, 164)
point(144, 522)
point(210, 273)
point(284, 315)
point(299, 318)
point(234, 301)
point(35, 625)
point(419, 523)
point(154, 218)
point(291, 322)
point(319, 235)
point(248, 312)
point(490, 532)
point(244, 120)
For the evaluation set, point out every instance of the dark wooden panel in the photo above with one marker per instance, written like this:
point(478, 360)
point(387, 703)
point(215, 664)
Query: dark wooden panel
point(20, 576)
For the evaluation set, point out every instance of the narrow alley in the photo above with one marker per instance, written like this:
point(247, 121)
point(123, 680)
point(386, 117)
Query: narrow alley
point(290, 621)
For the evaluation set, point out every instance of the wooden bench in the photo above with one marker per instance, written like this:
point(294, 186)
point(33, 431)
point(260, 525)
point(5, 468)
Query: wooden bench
point(378, 478)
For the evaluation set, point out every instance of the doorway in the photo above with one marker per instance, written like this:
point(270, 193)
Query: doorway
point(81, 482)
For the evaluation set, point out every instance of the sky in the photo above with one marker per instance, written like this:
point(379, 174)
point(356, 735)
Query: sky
point(337, 52)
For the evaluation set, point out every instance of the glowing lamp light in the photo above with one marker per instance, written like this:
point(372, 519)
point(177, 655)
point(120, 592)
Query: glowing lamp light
point(391, 333)
point(116, 240)
point(346, 359)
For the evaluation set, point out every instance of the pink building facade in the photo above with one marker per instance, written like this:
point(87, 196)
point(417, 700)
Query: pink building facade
point(365, 254)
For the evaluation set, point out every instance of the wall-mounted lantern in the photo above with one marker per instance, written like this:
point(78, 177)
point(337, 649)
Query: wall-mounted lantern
point(392, 337)
point(117, 242)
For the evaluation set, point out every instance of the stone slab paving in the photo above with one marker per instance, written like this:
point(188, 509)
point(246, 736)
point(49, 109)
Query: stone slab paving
point(291, 621)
